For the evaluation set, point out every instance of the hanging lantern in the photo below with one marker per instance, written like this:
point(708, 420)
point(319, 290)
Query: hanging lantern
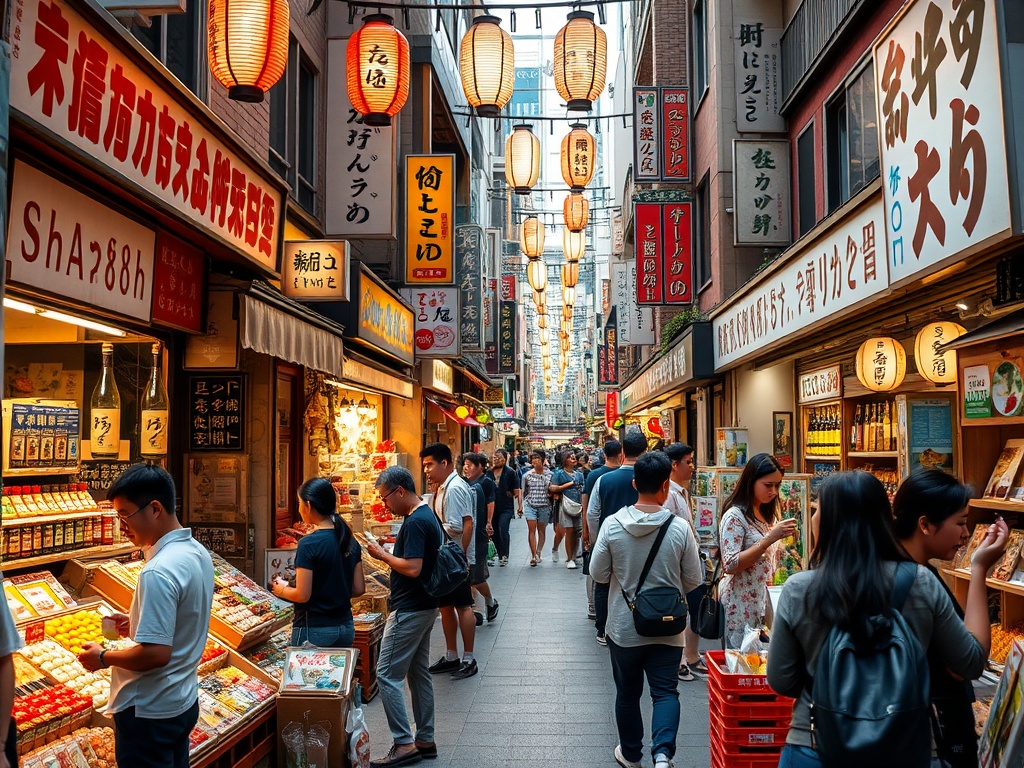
point(581, 52)
point(248, 46)
point(487, 66)
point(881, 364)
point(568, 296)
point(545, 335)
point(546, 362)
point(574, 244)
point(565, 345)
point(542, 322)
point(578, 152)
point(537, 274)
point(540, 304)
point(462, 412)
point(378, 70)
point(522, 159)
point(576, 211)
point(566, 325)
point(936, 366)
point(531, 237)
point(567, 312)
point(570, 274)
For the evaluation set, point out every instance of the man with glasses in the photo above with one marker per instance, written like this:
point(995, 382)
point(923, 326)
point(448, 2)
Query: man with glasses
point(405, 647)
point(154, 695)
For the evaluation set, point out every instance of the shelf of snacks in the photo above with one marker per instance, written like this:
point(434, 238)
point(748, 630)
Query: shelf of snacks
point(112, 550)
point(91, 747)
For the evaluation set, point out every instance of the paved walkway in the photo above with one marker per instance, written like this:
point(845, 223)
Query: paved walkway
point(544, 694)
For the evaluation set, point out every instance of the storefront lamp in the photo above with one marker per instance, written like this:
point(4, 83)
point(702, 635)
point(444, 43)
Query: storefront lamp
point(937, 366)
point(522, 159)
point(570, 274)
point(483, 417)
point(364, 408)
point(462, 412)
point(248, 45)
point(487, 66)
point(578, 153)
point(881, 364)
point(537, 274)
point(531, 237)
point(581, 52)
point(574, 244)
point(378, 70)
point(576, 211)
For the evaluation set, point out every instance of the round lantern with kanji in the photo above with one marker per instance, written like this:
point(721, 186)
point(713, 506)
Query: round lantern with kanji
point(377, 70)
point(935, 365)
point(580, 61)
point(579, 151)
point(881, 364)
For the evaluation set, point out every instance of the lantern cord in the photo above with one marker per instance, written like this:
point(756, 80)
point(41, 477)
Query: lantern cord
point(474, 6)
point(527, 119)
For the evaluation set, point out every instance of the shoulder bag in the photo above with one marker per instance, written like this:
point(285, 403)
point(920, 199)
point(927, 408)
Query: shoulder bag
point(707, 617)
point(659, 611)
point(450, 571)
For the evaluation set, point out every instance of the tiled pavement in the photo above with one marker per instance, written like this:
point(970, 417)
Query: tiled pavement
point(544, 693)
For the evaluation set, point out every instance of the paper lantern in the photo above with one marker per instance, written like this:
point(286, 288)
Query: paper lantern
point(542, 321)
point(540, 303)
point(564, 344)
point(934, 365)
point(567, 312)
point(378, 70)
point(544, 335)
point(247, 44)
point(570, 274)
point(574, 244)
point(581, 60)
point(522, 159)
point(568, 295)
point(546, 362)
point(487, 66)
point(537, 274)
point(531, 237)
point(881, 364)
point(578, 153)
point(575, 211)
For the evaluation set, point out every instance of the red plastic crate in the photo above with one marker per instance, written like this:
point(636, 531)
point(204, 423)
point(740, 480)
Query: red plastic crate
point(731, 761)
point(753, 707)
point(745, 715)
point(721, 679)
point(752, 734)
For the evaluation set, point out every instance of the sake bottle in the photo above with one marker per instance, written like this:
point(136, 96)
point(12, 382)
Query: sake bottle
point(105, 410)
point(154, 412)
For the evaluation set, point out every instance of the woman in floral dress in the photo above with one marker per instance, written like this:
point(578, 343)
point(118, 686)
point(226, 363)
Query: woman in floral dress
point(748, 533)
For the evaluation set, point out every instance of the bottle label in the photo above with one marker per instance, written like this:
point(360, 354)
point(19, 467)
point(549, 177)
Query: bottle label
point(106, 431)
point(154, 433)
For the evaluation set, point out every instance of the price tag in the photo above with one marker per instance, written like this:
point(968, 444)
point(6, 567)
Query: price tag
point(35, 632)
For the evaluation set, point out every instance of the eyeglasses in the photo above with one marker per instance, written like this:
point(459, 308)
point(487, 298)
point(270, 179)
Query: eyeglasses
point(126, 518)
point(384, 497)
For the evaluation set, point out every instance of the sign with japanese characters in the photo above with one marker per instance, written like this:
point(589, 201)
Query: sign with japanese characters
point(641, 319)
point(507, 338)
point(664, 253)
point(316, 270)
point(823, 384)
point(618, 234)
point(430, 219)
point(817, 284)
point(67, 244)
point(941, 131)
point(649, 254)
point(758, 64)
point(761, 196)
point(359, 198)
point(217, 408)
point(384, 320)
point(675, 134)
point(508, 287)
point(621, 297)
point(469, 268)
point(178, 276)
point(79, 84)
point(437, 317)
point(646, 134)
point(608, 376)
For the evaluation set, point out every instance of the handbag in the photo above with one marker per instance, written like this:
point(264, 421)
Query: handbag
point(571, 508)
point(659, 611)
point(451, 570)
point(707, 616)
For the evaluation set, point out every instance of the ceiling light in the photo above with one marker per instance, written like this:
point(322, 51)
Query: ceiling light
point(61, 317)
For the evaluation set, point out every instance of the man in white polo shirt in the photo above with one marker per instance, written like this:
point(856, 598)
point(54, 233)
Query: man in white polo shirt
point(154, 693)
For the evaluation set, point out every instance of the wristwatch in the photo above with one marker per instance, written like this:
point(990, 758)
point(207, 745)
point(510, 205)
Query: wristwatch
point(102, 662)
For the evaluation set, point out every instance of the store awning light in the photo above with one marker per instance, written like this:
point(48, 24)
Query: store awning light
point(62, 317)
point(581, 60)
point(522, 159)
point(531, 237)
point(537, 274)
point(247, 45)
point(487, 66)
point(378, 69)
point(575, 211)
point(579, 151)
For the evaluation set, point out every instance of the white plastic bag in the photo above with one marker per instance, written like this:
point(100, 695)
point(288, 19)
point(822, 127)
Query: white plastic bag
point(358, 739)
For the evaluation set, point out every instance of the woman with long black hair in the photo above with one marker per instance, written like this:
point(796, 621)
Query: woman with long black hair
point(328, 572)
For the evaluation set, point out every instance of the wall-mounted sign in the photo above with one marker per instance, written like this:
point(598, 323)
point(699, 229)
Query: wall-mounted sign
point(78, 83)
point(78, 248)
point(943, 160)
point(608, 375)
point(493, 395)
point(437, 317)
point(508, 287)
point(611, 409)
point(316, 270)
point(649, 254)
point(664, 253)
point(217, 412)
point(360, 180)
point(384, 320)
point(618, 234)
point(689, 359)
point(823, 384)
point(646, 134)
point(218, 346)
point(675, 134)
point(507, 338)
point(437, 374)
point(178, 277)
point(758, 62)
point(469, 269)
point(977, 392)
point(430, 219)
point(761, 193)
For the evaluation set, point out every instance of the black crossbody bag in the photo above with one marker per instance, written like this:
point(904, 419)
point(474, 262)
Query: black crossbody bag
point(659, 611)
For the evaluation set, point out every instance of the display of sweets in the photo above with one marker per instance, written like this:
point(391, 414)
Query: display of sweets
point(1002, 640)
point(214, 717)
point(36, 712)
point(63, 666)
point(74, 630)
point(270, 654)
point(240, 602)
point(85, 748)
point(233, 688)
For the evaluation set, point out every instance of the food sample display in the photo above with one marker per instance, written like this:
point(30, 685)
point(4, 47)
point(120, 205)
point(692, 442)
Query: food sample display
point(62, 665)
point(84, 748)
point(31, 595)
point(270, 654)
point(45, 712)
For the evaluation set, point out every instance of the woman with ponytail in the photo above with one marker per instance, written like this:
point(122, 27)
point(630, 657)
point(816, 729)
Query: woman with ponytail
point(328, 572)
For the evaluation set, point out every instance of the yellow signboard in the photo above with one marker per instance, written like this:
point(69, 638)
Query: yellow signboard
point(430, 219)
point(384, 320)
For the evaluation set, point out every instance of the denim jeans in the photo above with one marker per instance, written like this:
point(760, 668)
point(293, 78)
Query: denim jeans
point(148, 743)
point(501, 534)
point(660, 663)
point(799, 757)
point(600, 606)
point(341, 636)
point(405, 655)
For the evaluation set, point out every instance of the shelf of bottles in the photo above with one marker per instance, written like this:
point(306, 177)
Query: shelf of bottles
point(823, 432)
point(873, 432)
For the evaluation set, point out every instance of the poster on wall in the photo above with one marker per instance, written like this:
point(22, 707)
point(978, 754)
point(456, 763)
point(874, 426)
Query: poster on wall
point(436, 312)
point(217, 488)
point(217, 409)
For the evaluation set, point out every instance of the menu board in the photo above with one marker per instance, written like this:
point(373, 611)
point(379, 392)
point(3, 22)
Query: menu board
point(930, 433)
point(217, 408)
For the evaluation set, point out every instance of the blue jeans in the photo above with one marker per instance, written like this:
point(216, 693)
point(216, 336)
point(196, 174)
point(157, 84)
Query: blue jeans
point(660, 663)
point(341, 636)
point(405, 655)
point(799, 757)
point(143, 742)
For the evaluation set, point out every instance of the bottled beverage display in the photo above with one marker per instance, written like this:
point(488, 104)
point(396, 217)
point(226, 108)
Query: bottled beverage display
point(105, 409)
point(824, 427)
point(44, 520)
point(874, 427)
point(154, 412)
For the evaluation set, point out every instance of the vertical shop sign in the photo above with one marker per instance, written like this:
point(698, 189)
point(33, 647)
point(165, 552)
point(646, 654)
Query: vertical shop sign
point(675, 128)
point(430, 219)
point(606, 296)
point(491, 327)
point(469, 267)
point(609, 374)
point(359, 198)
point(649, 253)
point(436, 312)
point(316, 270)
point(217, 408)
point(758, 78)
point(646, 135)
point(677, 228)
point(761, 196)
point(943, 160)
point(641, 319)
point(602, 360)
point(508, 287)
point(178, 276)
point(621, 298)
point(611, 409)
point(618, 234)
point(507, 338)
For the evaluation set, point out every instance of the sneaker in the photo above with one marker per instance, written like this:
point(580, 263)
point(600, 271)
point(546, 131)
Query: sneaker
point(554, 555)
point(621, 759)
point(503, 563)
point(685, 674)
point(492, 612)
point(466, 669)
point(443, 665)
point(571, 565)
point(479, 618)
point(661, 760)
point(533, 562)
point(591, 613)
point(601, 639)
point(491, 563)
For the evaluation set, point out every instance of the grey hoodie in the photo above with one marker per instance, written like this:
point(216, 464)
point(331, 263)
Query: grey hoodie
point(622, 547)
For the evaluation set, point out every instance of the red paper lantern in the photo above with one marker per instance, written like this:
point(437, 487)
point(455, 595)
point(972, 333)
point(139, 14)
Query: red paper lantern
point(248, 45)
point(378, 70)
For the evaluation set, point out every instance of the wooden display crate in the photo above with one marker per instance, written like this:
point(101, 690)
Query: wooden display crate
point(367, 642)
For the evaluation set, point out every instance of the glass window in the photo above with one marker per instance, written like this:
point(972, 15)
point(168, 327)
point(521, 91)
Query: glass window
point(179, 41)
point(293, 127)
point(851, 139)
point(306, 130)
point(805, 172)
point(703, 235)
point(700, 50)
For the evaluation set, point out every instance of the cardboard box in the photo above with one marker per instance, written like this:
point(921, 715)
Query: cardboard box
point(331, 709)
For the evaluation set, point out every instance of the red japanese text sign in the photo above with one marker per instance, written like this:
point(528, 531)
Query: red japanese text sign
point(178, 278)
point(78, 83)
point(675, 134)
point(650, 286)
point(677, 238)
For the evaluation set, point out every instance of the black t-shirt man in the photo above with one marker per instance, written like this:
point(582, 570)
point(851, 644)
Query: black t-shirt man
point(484, 490)
point(419, 537)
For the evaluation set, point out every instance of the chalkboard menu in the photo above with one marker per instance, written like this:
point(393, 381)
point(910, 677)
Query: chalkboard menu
point(217, 412)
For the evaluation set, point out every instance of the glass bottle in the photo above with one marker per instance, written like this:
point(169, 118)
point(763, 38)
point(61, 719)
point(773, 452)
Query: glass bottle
point(105, 409)
point(154, 412)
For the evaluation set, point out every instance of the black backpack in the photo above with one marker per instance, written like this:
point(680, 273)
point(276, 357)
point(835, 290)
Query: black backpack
point(873, 707)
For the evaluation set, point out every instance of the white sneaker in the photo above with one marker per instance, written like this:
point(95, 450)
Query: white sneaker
point(571, 565)
point(621, 760)
point(662, 761)
point(554, 555)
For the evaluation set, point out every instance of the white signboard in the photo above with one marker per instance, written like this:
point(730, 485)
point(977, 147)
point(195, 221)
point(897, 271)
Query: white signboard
point(758, 62)
point(437, 320)
point(361, 166)
point(823, 384)
point(940, 118)
point(622, 298)
point(641, 319)
point(761, 193)
point(840, 269)
point(66, 243)
point(646, 134)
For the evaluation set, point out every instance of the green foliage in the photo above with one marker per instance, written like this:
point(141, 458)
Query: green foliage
point(678, 324)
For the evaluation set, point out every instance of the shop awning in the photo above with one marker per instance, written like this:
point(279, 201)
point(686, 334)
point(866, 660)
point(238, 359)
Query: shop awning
point(274, 325)
point(1012, 324)
point(448, 409)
